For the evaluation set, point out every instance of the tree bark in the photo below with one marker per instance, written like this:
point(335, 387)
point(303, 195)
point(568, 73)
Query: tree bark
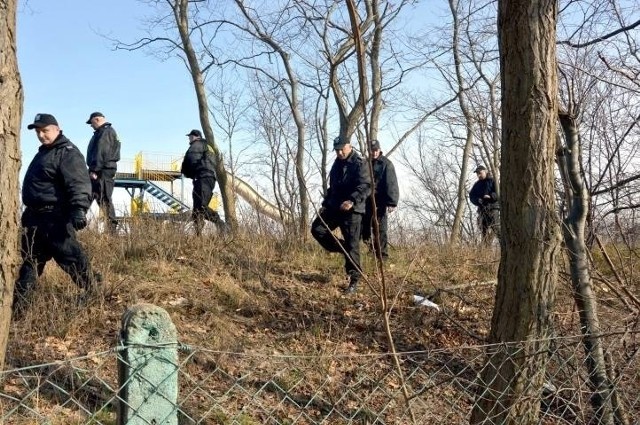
point(574, 225)
point(511, 381)
point(11, 94)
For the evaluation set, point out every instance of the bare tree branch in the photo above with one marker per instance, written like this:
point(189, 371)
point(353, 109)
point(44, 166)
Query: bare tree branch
point(601, 38)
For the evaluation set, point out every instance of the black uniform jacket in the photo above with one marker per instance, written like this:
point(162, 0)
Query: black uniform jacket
point(384, 174)
point(198, 161)
point(57, 178)
point(483, 187)
point(348, 181)
point(103, 152)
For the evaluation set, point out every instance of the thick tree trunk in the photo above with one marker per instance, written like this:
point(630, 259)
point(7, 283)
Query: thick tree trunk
point(574, 226)
point(511, 381)
point(10, 119)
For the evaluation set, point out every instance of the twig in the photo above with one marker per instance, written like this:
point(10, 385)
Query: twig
point(633, 298)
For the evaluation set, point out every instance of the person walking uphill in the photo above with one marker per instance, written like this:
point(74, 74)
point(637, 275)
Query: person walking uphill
point(56, 193)
point(103, 155)
point(484, 196)
point(343, 206)
point(386, 194)
point(198, 165)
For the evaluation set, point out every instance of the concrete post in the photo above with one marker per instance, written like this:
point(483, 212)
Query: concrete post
point(148, 368)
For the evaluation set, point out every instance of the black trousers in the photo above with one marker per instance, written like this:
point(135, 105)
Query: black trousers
point(380, 250)
point(489, 221)
point(102, 191)
point(202, 194)
point(350, 224)
point(52, 239)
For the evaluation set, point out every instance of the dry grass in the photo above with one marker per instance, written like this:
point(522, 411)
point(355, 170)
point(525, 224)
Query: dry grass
point(227, 293)
point(246, 292)
point(262, 294)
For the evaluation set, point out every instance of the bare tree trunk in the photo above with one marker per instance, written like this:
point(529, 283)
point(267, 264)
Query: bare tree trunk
point(511, 381)
point(574, 225)
point(376, 75)
point(291, 89)
point(10, 119)
point(180, 10)
point(456, 229)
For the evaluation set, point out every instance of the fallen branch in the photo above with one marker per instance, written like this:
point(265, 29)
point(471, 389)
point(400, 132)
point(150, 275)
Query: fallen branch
point(467, 285)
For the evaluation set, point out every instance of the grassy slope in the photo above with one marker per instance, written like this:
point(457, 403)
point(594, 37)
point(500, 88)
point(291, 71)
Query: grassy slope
point(258, 294)
point(248, 293)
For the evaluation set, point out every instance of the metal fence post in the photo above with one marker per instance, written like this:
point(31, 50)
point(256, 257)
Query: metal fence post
point(148, 367)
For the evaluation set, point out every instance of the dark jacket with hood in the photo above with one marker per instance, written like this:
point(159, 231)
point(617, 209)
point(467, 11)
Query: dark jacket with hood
point(386, 192)
point(103, 152)
point(348, 180)
point(57, 178)
point(198, 161)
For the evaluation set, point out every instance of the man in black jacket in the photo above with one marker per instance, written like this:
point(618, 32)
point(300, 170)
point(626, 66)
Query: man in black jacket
point(103, 155)
point(198, 165)
point(386, 194)
point(483, 195)
point(343, 206)
point(56, 193)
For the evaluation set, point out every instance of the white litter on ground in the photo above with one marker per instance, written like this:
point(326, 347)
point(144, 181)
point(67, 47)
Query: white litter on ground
point(423, 301)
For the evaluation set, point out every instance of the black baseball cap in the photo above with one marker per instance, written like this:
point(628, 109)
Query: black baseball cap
point(42, 120)
point(481, 168)
point(375, 145)
point(93, 115)
point(196, 133)
point(339, 142)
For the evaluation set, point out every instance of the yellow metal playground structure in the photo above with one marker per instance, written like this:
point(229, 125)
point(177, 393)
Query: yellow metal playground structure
point(149, 175)
point(157, 174)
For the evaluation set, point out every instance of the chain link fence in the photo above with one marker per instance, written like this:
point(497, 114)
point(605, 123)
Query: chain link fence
point(436, 386)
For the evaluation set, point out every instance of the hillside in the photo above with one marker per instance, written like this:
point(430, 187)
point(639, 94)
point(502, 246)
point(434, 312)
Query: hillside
point(261, 295)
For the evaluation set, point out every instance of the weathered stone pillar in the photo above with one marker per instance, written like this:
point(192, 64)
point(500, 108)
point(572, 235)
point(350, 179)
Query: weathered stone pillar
point(148, 367)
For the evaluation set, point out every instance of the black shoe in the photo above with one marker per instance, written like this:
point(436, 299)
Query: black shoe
point(351, 289)
point(353, 285)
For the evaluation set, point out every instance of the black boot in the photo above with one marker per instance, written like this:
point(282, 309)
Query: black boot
point(353, 283)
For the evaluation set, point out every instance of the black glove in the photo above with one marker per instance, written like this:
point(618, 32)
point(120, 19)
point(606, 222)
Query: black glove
point(78, 218)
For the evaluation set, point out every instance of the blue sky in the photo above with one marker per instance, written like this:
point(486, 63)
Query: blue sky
point(69, 69)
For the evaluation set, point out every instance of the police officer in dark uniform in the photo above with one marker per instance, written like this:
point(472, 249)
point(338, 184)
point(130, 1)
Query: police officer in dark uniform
point(198, 165)
point(103, 154)
point(386, 195)
point(484, 195)
point(56, 193)
point(343, 206)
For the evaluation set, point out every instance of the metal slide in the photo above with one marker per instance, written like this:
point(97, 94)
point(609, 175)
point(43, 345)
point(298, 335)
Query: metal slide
point(257, 201)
